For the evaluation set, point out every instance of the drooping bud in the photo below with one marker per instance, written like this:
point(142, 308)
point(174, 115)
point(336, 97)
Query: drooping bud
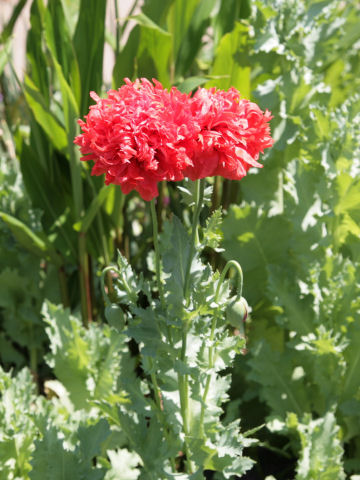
point(115, 316)
point(237, 312)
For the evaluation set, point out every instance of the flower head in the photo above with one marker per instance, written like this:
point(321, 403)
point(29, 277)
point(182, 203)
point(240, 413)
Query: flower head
point(142, 134)
point(233, 133)
point(138, 135)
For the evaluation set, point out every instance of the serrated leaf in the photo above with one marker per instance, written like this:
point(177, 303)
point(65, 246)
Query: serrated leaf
point(85, 361)
point(176, 250)
point(51, 461)
point(212, 233)
point(273, 371)
point(123, 465)
point(321, 450)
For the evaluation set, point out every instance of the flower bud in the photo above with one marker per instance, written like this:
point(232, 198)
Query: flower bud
point(115, 316)
point(237, 312)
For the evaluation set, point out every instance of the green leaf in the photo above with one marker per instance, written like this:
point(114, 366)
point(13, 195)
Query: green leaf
point(35, 53)
point(212, 233)
point(155, 43)
point(156, 11)
point(89, 40)
point(91, 438)
point(229, 12)
point(179, 18)
point(123, 465)
point(44, 116)
point(321, 450)
point(126, 62)
point(17, 401)
point(191, 41)
point(176, 250)
point(85, 361)
point(32, 242)
point(351, 386)
point(246, 239)
point(191, 83)
point(9, 27)
point(297, 312)
point(5, 54)
point(58, 36)
point(52, 461)
point(45, 193)
point(273, 371)
point(231, 61)
point(84, 224)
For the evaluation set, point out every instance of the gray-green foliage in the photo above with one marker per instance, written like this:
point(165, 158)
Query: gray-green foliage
point(62, 436)
point(18, 431)
point(296, 232)
point(296, 235)
point(154, 427)
point(23, 283)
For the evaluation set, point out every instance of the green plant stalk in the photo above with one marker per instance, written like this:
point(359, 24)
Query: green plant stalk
point(157, 393)
point(236, 265)
point(33, 360)
point(160, 204)
point(211, 357)
point(215, 200)
point(118, 214)
point(78, 196)
point(64, 292)
point(184, 402)
point(122, 280)
point(155, 225)
point(199, 197)
point(157, 251)
point(118, 28)
point(85, 290)
point(208, 380)
point(183, 379)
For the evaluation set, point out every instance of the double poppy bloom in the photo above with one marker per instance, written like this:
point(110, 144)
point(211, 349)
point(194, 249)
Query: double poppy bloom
point(142, 134)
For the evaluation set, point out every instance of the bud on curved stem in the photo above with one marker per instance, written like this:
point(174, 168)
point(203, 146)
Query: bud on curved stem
point(236, 265)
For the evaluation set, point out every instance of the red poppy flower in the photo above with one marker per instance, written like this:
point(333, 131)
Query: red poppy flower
point(139, 135)
point(233, 133)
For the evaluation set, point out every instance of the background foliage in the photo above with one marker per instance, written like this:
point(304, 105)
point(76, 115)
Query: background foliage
point(293, 226)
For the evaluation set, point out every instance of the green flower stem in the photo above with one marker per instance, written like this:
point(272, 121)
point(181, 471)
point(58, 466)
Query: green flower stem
point(211, 357)
point(157, 393)
point(157, 251)
point(184, 401)
point(161, 295)
point(64, 293)
point(86, 307)
point(199, 197)
point(183, 379)
point(122, 280)
point(236, 265)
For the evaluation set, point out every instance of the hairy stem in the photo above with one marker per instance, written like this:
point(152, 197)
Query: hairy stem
point(157, 251)
point(211, 355)
point(199, 197)
point(183, 379)
point(184, 402)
